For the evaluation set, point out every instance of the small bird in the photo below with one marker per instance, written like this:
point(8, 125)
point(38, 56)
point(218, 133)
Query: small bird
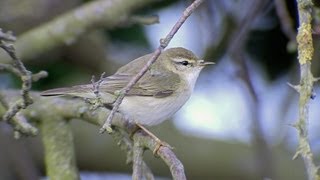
point(161, 91)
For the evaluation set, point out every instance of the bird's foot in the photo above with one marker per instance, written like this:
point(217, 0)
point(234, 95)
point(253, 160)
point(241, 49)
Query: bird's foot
point(158, 141)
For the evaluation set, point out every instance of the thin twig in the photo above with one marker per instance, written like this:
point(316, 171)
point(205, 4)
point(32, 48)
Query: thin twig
point(96, 85)
point(305, 54)
point(163, 44)
point(15, 71)
point(20, 124)
point(97, 101)
point(25, 77)
point(41, 74)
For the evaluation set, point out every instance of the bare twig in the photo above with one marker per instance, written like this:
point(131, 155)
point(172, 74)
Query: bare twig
point(163, 44)
point(305, 54)
point(13, 70)
point(97, 101)
point(96, 85)
point(39, 75)
point(25, 77)
point(17, 68)
point(20, 123)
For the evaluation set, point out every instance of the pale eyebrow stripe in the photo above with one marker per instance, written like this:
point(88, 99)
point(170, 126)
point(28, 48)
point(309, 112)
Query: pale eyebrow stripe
point(180, 59)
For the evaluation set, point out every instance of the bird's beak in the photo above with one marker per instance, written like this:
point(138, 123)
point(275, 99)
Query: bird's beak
point(204, 63)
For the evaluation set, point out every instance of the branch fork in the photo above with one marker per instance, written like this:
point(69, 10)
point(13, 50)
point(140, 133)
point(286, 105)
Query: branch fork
point(12, 115)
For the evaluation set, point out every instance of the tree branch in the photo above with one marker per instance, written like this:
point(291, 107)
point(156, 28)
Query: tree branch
point(137, 160)
point(19, 122)
point(77, 109)
point(228, 153)
point(305, 89)
point(59, 149)
point(67, 28)
point(165, 153)
point(176, 167)
point(126, 145)
point(163, 44)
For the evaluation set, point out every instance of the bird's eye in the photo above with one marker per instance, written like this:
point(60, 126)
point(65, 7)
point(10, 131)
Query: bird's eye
point(185, 63)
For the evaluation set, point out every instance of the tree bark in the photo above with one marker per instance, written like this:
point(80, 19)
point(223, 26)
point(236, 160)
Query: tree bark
point(201, 157)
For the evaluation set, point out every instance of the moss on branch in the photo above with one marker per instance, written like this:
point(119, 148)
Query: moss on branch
point(57, 139)
point(305, 88)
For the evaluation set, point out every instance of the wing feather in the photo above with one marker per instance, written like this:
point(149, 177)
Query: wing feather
point(157, 82)
point(157, 85)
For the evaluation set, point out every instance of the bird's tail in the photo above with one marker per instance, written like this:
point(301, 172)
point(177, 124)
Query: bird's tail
point(83, 91)
point(74, 90)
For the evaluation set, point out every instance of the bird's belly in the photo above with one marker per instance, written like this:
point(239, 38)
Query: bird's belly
point(150, 110)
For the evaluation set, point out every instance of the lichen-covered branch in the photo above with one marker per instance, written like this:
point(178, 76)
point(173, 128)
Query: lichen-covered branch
point(58, 146)
point(77, 109)
point(137, 160)
point(42, 110)
point(304, 36)
point(305, 89)
point(67, 28)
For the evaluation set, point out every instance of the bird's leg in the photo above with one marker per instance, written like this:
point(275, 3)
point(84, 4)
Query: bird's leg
point(159, 142)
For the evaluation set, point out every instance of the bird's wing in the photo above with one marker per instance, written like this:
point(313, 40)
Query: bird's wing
point(157, 81)
point(157, 84)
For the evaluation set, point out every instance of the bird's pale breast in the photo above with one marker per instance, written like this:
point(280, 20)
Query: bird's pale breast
point(150, 110)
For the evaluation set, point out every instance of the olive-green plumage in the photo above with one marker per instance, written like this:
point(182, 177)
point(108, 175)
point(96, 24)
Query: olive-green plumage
point(167, 84)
